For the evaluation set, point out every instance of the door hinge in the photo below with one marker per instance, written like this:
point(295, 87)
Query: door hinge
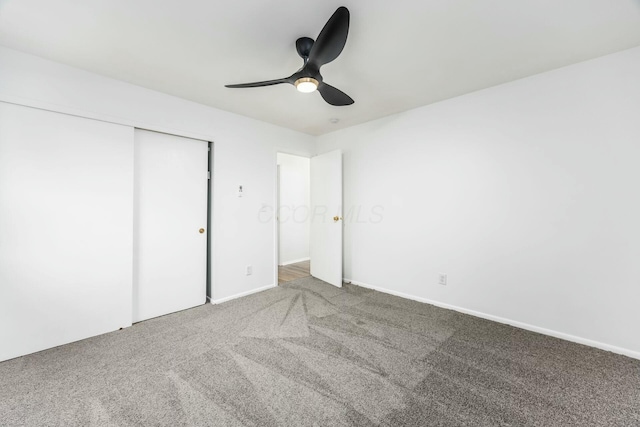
point(208, 174)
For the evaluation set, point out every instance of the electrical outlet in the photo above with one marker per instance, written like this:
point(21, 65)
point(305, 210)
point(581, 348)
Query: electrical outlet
point(249, 270)
point(442, 279)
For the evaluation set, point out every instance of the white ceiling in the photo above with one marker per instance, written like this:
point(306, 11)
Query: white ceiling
point(400, 54)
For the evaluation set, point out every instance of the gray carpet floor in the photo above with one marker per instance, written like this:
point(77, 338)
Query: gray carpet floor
point(307, 353)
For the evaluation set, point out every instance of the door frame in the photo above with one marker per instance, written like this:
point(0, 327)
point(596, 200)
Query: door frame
point(276, 203)
point(209, 291)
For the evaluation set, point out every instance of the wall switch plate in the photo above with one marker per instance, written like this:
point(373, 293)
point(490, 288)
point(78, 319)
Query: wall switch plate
point(249, 270)
point(442, 279)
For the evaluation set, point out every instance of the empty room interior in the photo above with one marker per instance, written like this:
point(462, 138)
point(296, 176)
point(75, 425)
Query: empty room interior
point(294, 213)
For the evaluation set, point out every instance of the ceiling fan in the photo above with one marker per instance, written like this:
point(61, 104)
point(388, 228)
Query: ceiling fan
point(325, 49)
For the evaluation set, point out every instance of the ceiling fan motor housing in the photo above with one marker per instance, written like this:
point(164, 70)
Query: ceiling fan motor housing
point(303, 46)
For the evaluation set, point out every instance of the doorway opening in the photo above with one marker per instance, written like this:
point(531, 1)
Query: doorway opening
point(293, 217)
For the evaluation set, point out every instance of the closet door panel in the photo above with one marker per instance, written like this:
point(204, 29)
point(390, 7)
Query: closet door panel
point(170, 221)
point(66, 228)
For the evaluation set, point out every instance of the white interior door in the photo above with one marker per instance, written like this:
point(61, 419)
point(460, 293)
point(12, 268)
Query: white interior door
point(170, 218)
point(66, 204)
point(326, 217)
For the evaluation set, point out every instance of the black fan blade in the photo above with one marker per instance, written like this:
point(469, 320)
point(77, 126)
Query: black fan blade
point(260, 84)
point(334, 96)
point(331, 40)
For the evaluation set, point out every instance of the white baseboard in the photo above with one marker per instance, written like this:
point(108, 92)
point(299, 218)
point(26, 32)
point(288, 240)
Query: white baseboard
point(295, 261)
point(521, 325)
point(241, 294)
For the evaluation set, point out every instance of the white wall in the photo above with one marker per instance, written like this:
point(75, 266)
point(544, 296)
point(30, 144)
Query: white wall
point(294, 205)
point(525, 194)
point(66, 229)
point(244, 153)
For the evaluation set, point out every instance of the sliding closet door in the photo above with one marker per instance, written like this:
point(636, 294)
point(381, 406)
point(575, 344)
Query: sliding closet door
point(170, 220)
point(66, 208)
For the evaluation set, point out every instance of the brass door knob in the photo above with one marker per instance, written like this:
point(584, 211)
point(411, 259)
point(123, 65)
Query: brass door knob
point(336, 218)
point(201, 230)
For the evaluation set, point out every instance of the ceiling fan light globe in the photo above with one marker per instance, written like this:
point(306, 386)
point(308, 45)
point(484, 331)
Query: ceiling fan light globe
point(306, 84)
